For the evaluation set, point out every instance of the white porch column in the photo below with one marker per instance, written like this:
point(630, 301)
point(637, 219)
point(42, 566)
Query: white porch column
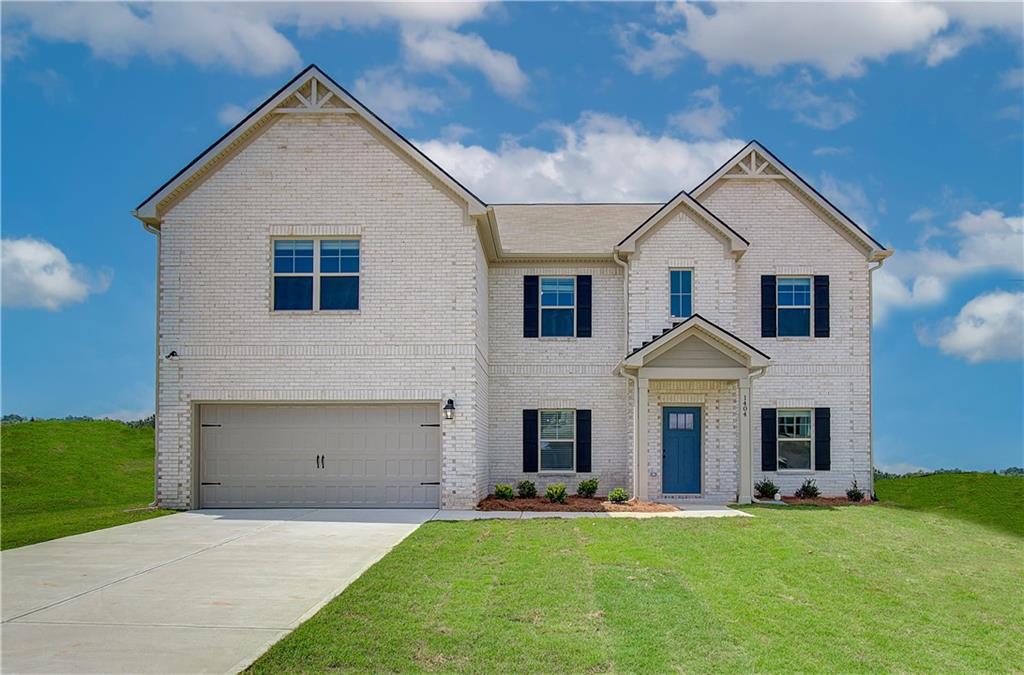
point(642, 470)
point(745, 488)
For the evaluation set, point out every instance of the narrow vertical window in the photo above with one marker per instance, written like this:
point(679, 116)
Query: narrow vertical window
point(681, 293)
point(557, 306)
point(794, 439)
point(293, 274)
point(339, 274)
point(794, 306)
point(557, 440)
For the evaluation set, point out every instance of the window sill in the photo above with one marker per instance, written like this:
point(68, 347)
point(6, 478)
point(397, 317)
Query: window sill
point(556, 473)
point(558, 338)
point(794, 338)
point(310, 312)
point(797, 472)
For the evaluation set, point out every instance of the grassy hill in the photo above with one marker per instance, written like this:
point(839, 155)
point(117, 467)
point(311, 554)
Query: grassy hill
point(62, 478)
point(983, 498)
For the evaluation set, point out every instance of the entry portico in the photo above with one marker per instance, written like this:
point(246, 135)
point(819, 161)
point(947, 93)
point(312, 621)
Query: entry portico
point(692, 413)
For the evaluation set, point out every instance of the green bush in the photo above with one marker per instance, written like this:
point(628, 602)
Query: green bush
point(854, 494)
point(809, 490)
point(556, 493)
point(618, 495)
point(765, 489)
point(503, 491)
point(587, 488)
point(526, 489)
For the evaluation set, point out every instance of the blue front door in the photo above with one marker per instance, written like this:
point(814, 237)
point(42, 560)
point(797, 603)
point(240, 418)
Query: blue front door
point(680, 453)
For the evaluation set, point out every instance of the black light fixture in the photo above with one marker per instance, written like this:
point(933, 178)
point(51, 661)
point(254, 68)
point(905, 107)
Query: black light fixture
point(449, 409)
point(172, 355)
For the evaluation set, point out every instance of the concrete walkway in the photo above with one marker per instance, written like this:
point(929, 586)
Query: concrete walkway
point(203, 591)
point(198, 592)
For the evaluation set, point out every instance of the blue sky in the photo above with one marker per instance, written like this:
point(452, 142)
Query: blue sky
point(907, 116)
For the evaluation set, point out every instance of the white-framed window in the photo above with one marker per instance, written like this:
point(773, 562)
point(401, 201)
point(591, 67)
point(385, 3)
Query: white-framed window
point(557, 306)
point(794, 440)
point(315, 274)
point(680, 293)
point(557, 445)
point(793, 306)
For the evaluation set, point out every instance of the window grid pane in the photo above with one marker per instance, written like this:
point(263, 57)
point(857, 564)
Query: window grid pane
point(557, 424)
point(339, 256)
point(557, 300)
point(681, 293)
point(293, 256)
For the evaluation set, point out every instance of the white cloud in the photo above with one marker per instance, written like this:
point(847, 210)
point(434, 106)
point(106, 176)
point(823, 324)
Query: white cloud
point(851, 198)
point(706, 118)
point(1011, 79)
point(387, 93)
point(437, 48)
point(815, 110)
point(597, 158)
point(988, 328)
point(838, 39)
point(980, 242)
point(230, 114)
point(38, 274)
point(831, 151)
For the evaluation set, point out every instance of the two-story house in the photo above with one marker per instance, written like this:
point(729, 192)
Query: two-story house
point(342, 323)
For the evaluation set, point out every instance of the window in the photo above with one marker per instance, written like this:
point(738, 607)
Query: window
point(680, 421)
point(557, 440)
point(794, 439)
point(316, 274)
point(557, 306)
point(681, 293)
point(794, 306)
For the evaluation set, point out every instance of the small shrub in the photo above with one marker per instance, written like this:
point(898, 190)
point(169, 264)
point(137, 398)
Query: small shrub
point(503, 491)
point(556, 493)
point(587, 488)
point(854, 494)
point(526, 489)
point(618, 495)
point(765, 489)
point(809, 490)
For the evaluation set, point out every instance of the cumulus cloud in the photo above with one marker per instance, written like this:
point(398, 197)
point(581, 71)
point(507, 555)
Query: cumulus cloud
point(249, 37)
point(838, 39)
point(36, 273)
point(831, 151)
point(852, 199)
point(597, 158)
point(230, 114)
point(814, 109)
point(388, 94)
point(989, 328)
point(706, 118)
point(973, 244)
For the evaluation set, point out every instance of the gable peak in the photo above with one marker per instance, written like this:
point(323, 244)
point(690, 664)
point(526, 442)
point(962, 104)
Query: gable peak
point(313, 95)
point(754, 165)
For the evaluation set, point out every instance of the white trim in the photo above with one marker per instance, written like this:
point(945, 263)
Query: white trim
point(698, 326)
point(541, 439)
point(316, 275)
point(737, 244)
point(809, 306)
point(779, 440)
point(692, 293)
point(541, 307)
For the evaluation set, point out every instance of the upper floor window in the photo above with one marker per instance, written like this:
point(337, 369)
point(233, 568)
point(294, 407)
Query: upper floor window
point(681, 293)
point(557, 440)
point(316, 274)
point(794, 306)
point(794, 439)
point(557, 306)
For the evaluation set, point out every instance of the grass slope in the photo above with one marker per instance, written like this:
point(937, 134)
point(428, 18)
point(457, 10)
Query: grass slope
point(983, 498)
point(62, 478)
point(851, 589)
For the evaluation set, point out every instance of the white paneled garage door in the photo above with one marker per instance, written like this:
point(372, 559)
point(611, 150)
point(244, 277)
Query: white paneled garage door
point(320, 455)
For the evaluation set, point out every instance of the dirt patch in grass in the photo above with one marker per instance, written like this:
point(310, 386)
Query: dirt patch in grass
point(492, 503)
point(824, 501)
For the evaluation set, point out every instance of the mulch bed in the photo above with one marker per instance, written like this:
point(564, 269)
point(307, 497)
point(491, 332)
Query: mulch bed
point(824, 501)
point(492, 503)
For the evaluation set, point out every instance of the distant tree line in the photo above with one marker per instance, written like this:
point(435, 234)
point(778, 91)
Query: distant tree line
point(135, 424)
point(1008, 471)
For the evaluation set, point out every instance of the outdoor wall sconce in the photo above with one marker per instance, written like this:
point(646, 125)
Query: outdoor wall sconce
point(171, 355)
point(449, 409)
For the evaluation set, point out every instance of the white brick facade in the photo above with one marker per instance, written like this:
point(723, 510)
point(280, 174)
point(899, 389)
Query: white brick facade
point(441, 313)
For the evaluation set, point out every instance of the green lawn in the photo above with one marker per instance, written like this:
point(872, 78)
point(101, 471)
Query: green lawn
point(62, 478)
point(914, 587)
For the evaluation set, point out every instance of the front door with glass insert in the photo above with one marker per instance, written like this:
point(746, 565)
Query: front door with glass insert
point(680, 454)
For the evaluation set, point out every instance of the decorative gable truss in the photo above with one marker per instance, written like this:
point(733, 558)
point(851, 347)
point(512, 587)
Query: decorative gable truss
point(754, 167)
point(313, 97)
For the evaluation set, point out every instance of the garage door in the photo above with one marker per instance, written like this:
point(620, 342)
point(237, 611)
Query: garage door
point(324, 455)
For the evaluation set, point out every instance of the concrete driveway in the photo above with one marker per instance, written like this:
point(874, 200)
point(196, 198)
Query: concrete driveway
point(204, 591)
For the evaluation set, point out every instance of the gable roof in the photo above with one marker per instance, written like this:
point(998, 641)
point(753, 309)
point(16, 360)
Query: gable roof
point(565, 230)
point(695, 324)
point(336, 99)
point(774, 168)
point(737, 244)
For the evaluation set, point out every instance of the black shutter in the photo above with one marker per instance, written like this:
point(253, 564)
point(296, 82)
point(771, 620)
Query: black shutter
point(583, 305)
point(822, 439)
point(769, 445)
point(530, 439)
point(768, 305)
point(583, 441)
point(531, 306)
point(821, 306)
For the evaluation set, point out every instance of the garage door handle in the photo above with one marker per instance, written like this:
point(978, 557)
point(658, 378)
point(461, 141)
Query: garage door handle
point(434, 483)
point(206, 483)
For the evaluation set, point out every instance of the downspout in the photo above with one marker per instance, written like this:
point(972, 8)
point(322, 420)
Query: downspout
point(759, 373)
point(629, 376)
point(156, 375)
point(871, 394)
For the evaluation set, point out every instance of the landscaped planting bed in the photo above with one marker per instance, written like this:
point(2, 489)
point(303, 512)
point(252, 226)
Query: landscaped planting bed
point(574, 503)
